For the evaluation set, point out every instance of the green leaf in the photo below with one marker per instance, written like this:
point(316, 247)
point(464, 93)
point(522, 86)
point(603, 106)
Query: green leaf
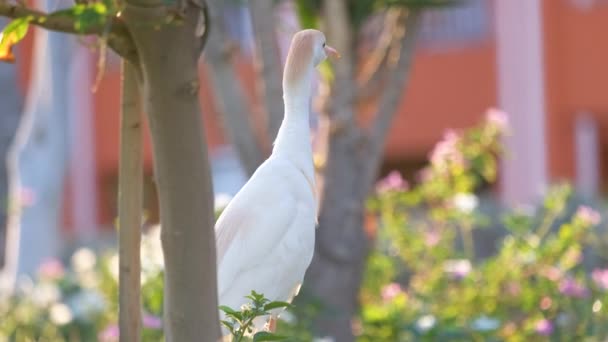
point(228, 325)
point(13, 33)
point(266, 336)
point(86, 15)
point(227, 309)
point(231, 313)
point(276, 305)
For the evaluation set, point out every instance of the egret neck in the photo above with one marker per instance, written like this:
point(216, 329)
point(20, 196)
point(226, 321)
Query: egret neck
point(293, 141)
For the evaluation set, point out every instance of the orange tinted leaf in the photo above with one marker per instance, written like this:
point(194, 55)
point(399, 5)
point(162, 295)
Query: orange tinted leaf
point(11, 35)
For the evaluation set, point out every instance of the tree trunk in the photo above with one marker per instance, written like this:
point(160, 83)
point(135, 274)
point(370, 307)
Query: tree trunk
point(10, 113)
point(38, 157)
point(268, 63)
point(169, 56)
point(352, 162)
point(130, 196)
point(231, 100)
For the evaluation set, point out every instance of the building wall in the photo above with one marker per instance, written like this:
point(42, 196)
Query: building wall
point(577, 77)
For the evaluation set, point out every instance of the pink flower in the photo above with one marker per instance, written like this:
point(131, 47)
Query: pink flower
point(600, 277)
point(498, 119)
point(390, 291)
point(544, 327)
point(588, 215)
point(545, 303)
point(457, 268)
point(152, 322)
point(51, 269)
point(571, 288)
point(392, 182)
point(446, 151)
point(432, 238)
point(552, 273)
point(109, 334)
point(424, 175)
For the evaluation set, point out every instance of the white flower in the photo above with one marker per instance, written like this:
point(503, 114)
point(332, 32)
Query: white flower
point(60, 314)
point(45, 293)
point(465, 202)
point(426, 322)
point(485, 323)
point(83, 260)
point(457, 268)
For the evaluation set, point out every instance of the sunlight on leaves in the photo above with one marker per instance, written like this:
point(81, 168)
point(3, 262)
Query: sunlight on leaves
point(14, 32)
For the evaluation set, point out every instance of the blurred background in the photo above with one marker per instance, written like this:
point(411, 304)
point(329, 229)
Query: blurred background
point(542, 62)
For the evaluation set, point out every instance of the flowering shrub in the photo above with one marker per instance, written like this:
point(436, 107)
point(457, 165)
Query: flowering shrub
point(80, 303)
point(427, 278)
point(425, 281)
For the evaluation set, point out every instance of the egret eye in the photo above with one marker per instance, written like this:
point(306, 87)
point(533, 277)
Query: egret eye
point(323, 44)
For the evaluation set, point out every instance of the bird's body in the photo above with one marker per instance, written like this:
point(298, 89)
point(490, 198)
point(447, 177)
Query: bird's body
point(265, 236)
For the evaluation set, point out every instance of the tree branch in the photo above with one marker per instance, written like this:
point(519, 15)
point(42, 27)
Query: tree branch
point(393, 92)
point(118, 38)
point(229, 93)
point(268, 64)
point(51, 22)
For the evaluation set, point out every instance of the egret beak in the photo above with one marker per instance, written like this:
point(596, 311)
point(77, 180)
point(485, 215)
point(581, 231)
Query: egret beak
point(331, 52)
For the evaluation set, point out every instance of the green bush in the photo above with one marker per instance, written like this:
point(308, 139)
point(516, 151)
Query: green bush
point(424, 280)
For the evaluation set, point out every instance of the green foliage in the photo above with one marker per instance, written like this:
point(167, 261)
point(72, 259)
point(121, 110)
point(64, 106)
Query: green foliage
point(240, 323)
point(88, 15)
point(309, 11)
point(84, 16)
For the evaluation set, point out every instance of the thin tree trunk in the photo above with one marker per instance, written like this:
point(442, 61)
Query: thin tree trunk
point(335, 274)
point(38, 156)
point(10, 112)
point(231, 100)
point(130, 188)
point(169, 56)
point(268, 63)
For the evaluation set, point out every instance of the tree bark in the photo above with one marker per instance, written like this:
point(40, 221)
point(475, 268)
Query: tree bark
point(268, 63)
point(169, 56)
point(130, 196)
point(351, 167)
point(229, 93)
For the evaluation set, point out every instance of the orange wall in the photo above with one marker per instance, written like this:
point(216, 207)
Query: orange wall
point(447, 90)
point(576, 52)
